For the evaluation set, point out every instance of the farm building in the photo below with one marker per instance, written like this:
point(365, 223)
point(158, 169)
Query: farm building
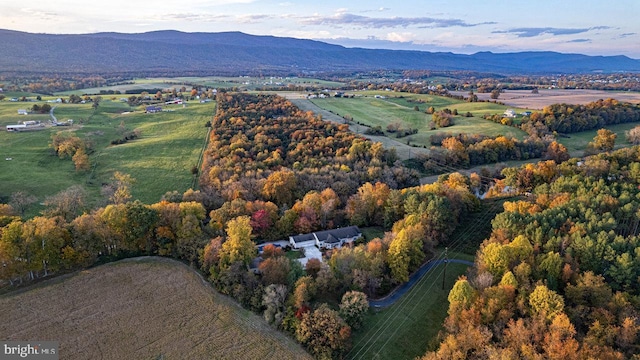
point(23, 112)
point(19, 127)
point(153, 109)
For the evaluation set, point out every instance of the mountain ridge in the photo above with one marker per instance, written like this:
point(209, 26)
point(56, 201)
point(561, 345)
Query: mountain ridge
point(236, 52)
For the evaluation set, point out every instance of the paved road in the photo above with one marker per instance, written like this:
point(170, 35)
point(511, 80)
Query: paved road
point(413, 279)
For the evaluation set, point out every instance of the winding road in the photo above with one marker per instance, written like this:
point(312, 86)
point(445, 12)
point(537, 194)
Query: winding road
point(413, 279)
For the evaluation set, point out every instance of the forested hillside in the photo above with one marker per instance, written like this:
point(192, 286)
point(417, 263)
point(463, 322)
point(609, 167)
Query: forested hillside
point(558, 277)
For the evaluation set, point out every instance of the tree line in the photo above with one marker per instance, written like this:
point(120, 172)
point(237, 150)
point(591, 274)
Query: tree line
point(558, 276)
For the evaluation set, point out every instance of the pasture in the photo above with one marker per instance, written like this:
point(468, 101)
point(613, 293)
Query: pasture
point(399, 108)
point(160, 159)
point(576, 143)
point(141, 308)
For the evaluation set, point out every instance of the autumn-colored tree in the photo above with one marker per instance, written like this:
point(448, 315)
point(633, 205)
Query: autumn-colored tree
point(280, 186)
point(324, 333)
point(238, 247)
point(304, 291)
point(81, 160)
point(559, 343)
point(67, 203)
point(274, 302)
point(21, 200)
point(313, 267)
point(353, 307)
point(271, 250)
point(461, 294)
point(556, 152)
point(633, 135)
point(275, 270)
point(605, 140)
point(405, 252)
point(367, 206)
point(545, 302)
point(119, 190)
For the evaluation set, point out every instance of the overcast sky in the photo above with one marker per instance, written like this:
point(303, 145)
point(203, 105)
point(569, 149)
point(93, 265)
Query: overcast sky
point(594, 27)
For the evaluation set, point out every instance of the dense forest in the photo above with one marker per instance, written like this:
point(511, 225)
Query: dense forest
point(558, 277)
point(565, 118)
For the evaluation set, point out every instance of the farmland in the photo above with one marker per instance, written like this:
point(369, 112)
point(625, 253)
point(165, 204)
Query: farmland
point(525, 99)
point(399, 108)
point(239, 82)
point(576, 143)
point(160, 159)
point(143, 308)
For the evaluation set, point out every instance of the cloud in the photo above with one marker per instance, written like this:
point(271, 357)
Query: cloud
point(342, 18)
point(622, 36)
point(253, 19)
point(40, 14)
point(191, 17)
point(533, 32)
point(580, 41)
point(380, 9)
point(401, 37)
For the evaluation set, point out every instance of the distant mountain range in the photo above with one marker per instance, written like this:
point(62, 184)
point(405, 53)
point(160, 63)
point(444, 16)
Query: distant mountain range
point(177, 52)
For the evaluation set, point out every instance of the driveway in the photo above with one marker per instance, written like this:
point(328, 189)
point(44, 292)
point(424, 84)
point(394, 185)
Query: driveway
point(413, 279)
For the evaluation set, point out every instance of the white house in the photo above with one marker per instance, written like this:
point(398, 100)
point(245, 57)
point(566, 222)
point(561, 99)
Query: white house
point(510, 113)
point(327, 239)
point(23, 112)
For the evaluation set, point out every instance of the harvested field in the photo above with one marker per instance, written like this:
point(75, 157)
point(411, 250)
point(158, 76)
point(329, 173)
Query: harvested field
point(142, 308)
point(525, 99)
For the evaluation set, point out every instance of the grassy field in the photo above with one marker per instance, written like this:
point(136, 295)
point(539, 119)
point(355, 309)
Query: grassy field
point(144, 308)
point(576, 143)
point(371, 111)
point(160, 160)
point(240, 83)
point(408, 328)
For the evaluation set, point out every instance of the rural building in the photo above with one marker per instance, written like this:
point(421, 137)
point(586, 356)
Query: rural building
point(23, 112)
point(19, 127)
point(327, 239)
point(526, 113)
point(510, 113)
point(153, 109)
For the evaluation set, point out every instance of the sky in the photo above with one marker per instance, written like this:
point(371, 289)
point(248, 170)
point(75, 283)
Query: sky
point(592, 27)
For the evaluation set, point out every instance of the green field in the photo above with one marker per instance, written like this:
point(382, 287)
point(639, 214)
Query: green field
point(410, 327)
point(576, 143)
point(160, 160)
point(399, 107)
point(239, 83)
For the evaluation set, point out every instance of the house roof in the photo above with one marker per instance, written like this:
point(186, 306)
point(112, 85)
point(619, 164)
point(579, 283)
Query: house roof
point(303, 237)
point(332, 239)
point(340, 233)
point(329, 236)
